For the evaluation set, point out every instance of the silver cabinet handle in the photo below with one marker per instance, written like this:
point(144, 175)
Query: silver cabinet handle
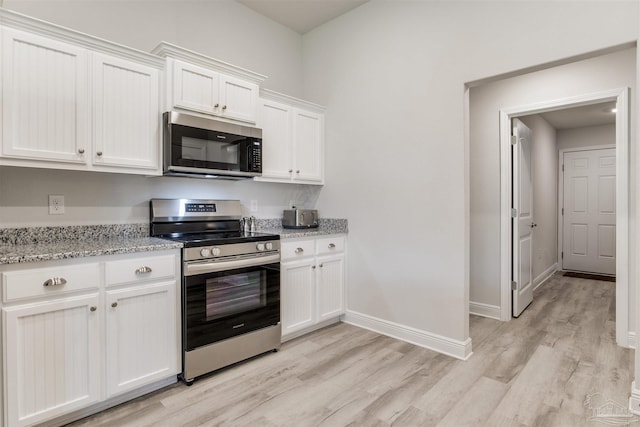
point(55, 281)
point(299, 250)
point(114, 304)
point(216, 106)
point(80, 150)
point(93, 308)
point(99, 153)
point(224, 107)
point(332, 246)
point(143, 270)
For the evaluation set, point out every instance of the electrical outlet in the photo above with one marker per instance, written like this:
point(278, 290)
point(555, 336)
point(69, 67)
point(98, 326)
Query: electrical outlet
point(56, 204)
point(254, 206)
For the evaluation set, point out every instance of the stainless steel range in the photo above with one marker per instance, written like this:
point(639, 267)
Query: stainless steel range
point(230, 283)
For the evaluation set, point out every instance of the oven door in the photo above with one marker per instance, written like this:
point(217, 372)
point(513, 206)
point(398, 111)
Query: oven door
point(223, 299)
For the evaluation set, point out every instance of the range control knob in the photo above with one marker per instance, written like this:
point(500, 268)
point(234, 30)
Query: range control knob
point(269, 246)
point(205, 252)
point(215, 251)
point(260, 247)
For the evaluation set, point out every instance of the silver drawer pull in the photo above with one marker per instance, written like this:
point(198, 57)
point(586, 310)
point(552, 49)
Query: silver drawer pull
point(144, 270)
point(332, 246)
point(299, 250)
point(55, 281)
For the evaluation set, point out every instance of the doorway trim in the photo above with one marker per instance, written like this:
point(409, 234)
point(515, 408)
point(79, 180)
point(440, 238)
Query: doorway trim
point(621, 96)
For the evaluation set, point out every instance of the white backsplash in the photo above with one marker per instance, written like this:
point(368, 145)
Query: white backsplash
point(104, 198)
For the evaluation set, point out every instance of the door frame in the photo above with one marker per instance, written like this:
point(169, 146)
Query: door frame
point(621, 96)
point(561, 193)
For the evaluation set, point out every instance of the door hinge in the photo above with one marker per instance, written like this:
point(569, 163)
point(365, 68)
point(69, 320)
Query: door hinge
point(514, 286)
point(563, 167)
point(561, 255)
point(514, 140)
point(514, 213)
point(562, 211)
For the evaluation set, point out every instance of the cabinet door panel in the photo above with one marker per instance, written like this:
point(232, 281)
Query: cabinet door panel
point(195, 88)
point(330, 287)
point(275, 122)
point(308, 136)
point(297, 296)
point(238, 99)
point(45, 104)
point(53, 356)
point(141, 336)
point(126, 116)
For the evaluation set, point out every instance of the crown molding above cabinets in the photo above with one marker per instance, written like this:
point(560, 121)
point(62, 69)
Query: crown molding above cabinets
point(74, 101)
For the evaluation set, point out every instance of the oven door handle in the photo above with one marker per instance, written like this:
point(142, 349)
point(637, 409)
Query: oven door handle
point(191, 269)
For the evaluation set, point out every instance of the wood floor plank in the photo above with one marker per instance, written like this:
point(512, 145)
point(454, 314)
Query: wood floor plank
point(537, 370)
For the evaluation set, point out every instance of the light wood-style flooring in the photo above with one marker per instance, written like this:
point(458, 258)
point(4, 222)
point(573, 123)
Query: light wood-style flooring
point(537, 370)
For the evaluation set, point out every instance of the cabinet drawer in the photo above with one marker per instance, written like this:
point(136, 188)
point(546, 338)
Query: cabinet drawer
point(297, 249)
point(139, 269)
point(330, 245)
point(50, 281)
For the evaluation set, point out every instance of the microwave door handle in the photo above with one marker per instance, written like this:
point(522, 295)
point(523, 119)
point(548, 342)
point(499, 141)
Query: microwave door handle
point(191, 269)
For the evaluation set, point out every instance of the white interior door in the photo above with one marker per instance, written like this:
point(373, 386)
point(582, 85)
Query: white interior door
point(589, 219)
point(522, 223)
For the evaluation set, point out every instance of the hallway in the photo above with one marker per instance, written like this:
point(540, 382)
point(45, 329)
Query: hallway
point(536, 370)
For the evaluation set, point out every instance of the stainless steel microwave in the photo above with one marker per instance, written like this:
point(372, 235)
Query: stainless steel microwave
point(200, 147)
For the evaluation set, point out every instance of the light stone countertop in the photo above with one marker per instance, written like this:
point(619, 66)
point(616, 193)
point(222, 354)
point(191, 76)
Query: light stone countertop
point(33, 244)
point(46, 251)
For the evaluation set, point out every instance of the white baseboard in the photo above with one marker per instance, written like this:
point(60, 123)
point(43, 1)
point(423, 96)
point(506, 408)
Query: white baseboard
point(484, 310)
point(454, 348)
point(544, 276)
point(631, 341)
point(634, 400)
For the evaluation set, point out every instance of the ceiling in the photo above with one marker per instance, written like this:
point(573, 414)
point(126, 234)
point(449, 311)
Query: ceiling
point(577, 117)
point(302, 16)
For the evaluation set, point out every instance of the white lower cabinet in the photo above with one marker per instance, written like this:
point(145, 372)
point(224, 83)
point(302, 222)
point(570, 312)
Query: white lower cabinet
point(52, 354)
point(141, 323)
point(78, 332)
point(313, 284)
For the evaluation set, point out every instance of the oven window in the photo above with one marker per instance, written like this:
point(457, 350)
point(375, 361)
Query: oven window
point(235, 293)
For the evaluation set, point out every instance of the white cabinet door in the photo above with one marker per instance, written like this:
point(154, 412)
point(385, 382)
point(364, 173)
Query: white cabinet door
point(330, 285)
point(126, 117)
point(195, 88)
point(44, 100)
point(297, 295)
point(52, 356)
point(141, 336)
point(274, 119)
point(238, 99)
point(308, 136)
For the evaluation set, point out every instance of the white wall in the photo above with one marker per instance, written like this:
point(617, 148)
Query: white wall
point(544, 156)
point(392, 74)
point(223, 29)
point(605, 72)
point(586, 136)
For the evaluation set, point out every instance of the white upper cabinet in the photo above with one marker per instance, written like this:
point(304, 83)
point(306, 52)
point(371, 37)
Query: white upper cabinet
point(292, 139)
point(71, 101)
point(126, 113)
point(44, 98)
point(205, 85)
